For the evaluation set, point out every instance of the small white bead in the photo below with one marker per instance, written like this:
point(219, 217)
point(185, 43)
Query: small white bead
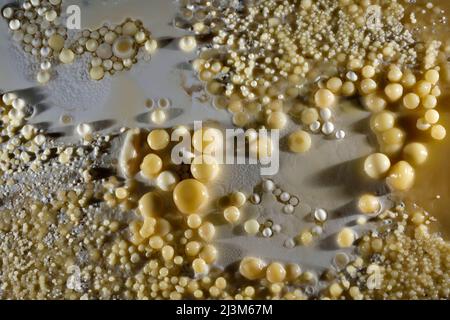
point(352, 76)
point(294, 201)
point(8, 12)
point(315, 126)
point(8, 98)
point(361, 221)
point(288, 209)
point(276, 228)
point(45, 51)
point(320, 215)
point(158, 116)
point(285, 197)
point(96, 62)
point(49, 32)
point(36, 42)
point(340, 134)
point(268, 185)
point(255, 198)
point(328, 128)
point(18, 104)
point(43, 77)
point(317, 230)
point(14, 24)
point(422, 124)
point(325, 114)
point(46, 65)
point(289, 243)
point(84, 130)
point(167, 180)
point(267, 233)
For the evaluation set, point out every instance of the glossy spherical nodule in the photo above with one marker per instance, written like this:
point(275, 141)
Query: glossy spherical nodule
point(252, 268)
point(345, 238)
point(151, 165)
point(275, 272)
point(190, 196)
point(382, 121)
point(416, 153)
point(394, 91)
point(368, 204)
point(377, 165)
point(158, 139)
point(324, 98)
point(401, 176)
point(299, 141)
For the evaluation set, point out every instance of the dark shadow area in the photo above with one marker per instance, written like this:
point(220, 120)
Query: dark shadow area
point(348, 175)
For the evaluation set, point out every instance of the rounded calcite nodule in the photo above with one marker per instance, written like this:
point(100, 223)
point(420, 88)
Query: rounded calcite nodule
point(299, 141)
point(377, 165)
point(252, 268)
point(190, 196)
point(368, 204)
point(401, 176)
point(275, 272)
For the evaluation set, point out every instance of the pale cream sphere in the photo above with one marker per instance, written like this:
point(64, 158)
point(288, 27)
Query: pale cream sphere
point(432, 76)
point(252, 268)
point(415, 153)
point(423, 88)
point(438, 132)
point(382, 121)
point(394, 91)
point(276, 120)
point(429, 101)
point(377, 165)
point(334, 85)
point(275, 272)
point(324, 98)
point(345, 238)
point(368, 71)
point(368, 86)
point(299, 141)
point(369, 204)
point(395, 74)
point(374, 102)
point(432, 116)
point(411, 101)
point(393, 136)
point(401, 176)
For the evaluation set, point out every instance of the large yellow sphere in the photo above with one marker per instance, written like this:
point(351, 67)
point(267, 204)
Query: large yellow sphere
point(190, 196)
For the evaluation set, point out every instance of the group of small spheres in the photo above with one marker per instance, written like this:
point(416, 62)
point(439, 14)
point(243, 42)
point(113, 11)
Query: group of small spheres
point(421, 94)
point(38, 27)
